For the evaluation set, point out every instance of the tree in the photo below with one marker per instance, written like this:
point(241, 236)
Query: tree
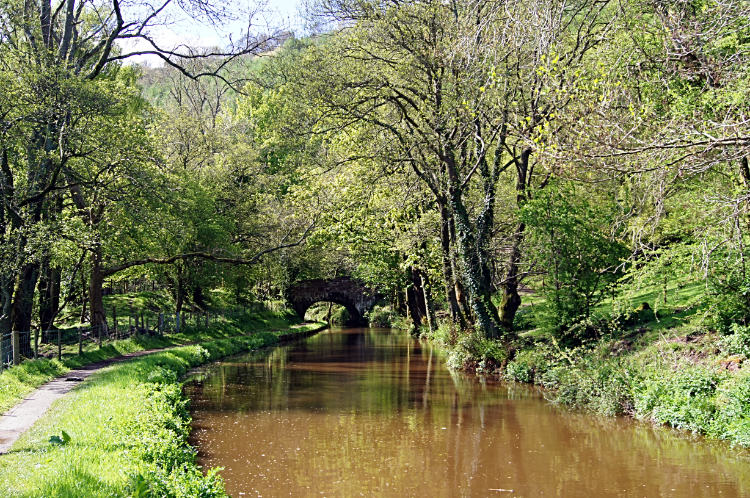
point(52, 57)
point(458, 90)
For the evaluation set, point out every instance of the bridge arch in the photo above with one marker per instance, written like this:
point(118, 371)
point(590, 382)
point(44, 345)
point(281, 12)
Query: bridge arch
point(353, 295)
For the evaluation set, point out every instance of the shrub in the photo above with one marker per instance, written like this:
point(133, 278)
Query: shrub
point(682, 398)
point(382, 316)
point(738, 340)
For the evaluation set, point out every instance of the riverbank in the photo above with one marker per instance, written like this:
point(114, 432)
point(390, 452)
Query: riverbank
point(123, 432)
point(19, 381)
point(687, 378)
point(690, 380)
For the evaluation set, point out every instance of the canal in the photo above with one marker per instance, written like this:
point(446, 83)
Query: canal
point(374, 412)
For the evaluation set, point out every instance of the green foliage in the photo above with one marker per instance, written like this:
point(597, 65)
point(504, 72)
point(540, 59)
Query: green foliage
point(382, 316)
point(63, 439)
point(571, 240)
point(738, 340)
point(473, 351)
point(682, 398)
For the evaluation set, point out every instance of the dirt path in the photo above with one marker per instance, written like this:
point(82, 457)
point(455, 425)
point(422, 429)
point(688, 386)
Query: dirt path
point(21, 417)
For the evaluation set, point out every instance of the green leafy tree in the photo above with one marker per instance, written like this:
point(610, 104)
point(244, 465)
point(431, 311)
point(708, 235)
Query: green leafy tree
point(572, 240)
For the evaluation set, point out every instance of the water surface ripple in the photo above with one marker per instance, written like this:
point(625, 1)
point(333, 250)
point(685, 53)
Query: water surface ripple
point(373, 412)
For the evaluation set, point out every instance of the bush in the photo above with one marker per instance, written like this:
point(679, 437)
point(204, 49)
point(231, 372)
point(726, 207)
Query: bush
point(519, 371)
point(572, 240)
point(474, 352)
point(738, 342)
point(382, 316)
point(682, 398)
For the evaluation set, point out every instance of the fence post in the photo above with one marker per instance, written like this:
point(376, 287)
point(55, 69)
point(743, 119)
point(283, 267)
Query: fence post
point(16, 337)
point(36, 344)
point(177, 323)
point(80, 340)
point(161, 324)
point(59, 345)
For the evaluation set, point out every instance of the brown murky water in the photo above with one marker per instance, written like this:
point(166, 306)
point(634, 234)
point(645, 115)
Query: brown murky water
point(372, 412)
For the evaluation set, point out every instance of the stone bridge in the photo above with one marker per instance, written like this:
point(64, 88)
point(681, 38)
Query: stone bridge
point(351, 294)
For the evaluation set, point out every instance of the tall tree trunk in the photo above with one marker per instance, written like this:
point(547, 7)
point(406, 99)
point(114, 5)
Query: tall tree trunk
point(49, 293)
point(429, 305)
point(511, 300)
point(179, 289)
point(96, 294)
point(415, 299)
point(84, 299)
point(485, 312)
point(448, 276)
point(6, 277)
point(23, 304)
point(455, 270)
point(50, 277)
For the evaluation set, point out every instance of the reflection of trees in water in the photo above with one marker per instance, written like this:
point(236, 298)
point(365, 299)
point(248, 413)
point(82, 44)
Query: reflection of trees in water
point(344, 413)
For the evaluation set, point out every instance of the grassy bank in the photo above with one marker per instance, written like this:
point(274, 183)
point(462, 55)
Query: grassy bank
point(123, 432)
point(17, 382)
point(661, 362)
point(690, 380)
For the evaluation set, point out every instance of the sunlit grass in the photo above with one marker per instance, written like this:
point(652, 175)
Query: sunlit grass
point(124, 422)
point(17, 382)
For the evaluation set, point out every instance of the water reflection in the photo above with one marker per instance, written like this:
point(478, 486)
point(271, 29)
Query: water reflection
point(367, 412)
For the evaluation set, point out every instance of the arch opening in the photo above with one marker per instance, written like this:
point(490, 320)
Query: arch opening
point(345, 291)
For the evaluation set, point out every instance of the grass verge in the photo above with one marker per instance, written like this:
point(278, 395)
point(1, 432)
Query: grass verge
point(18, 381)
point(690, 380)
point(123, 432)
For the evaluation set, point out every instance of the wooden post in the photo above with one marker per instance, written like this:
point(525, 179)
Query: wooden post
point(59, 345)
point(161, 324)
point(147, 326)
point(206, 319)
point(80, 341)
point(16, 337)
point(36, 344)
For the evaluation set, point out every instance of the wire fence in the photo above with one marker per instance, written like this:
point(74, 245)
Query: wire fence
point(16, 347)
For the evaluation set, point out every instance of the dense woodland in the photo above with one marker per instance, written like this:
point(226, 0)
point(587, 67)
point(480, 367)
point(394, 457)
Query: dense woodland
point(466, 158)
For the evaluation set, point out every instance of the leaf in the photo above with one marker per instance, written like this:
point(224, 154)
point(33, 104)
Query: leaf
point(61, 440)
point(141, 488)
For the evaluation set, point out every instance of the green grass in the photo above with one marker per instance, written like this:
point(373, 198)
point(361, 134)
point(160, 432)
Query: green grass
point(17, 382)
point(128, 428)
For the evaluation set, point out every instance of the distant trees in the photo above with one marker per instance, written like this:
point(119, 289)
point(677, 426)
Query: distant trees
point(59, 67)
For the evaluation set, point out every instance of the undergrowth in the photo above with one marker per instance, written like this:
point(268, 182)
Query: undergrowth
point(697, 383)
